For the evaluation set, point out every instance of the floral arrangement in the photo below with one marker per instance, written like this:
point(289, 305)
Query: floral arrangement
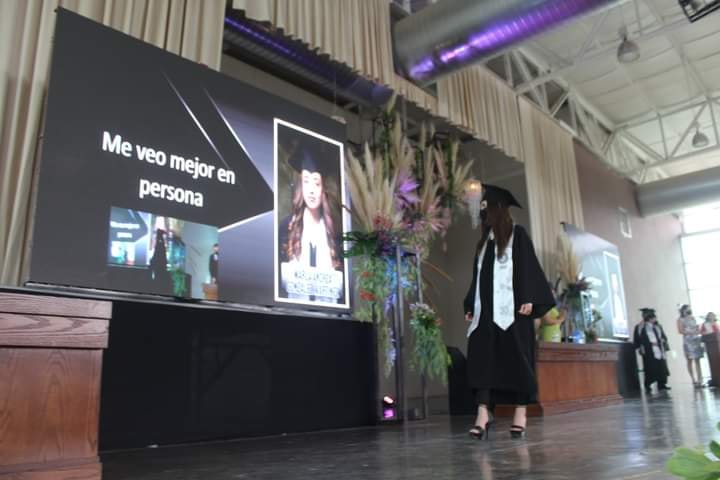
point(430, 355)
point(572, 284)
point(403, 195)
point(696, 464)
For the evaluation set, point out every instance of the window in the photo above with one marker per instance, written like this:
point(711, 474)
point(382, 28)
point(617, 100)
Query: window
point(701, 255)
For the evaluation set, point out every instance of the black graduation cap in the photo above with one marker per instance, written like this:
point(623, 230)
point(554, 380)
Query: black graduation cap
point(314, 155)
point(648, 313)
point(499, 196)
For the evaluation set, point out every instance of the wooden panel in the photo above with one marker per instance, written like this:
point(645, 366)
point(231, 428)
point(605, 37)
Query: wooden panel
point(712, 345)
point(573, 381)
point(556, 408)
point(564, 352)
point(48, 331)
point(574, 377)
point(49, 402)
point(50, 305)
point(90, 471)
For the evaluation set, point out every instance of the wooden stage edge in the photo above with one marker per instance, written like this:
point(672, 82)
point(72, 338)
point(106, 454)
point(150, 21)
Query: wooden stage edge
point(573, 377)
point(51, 351)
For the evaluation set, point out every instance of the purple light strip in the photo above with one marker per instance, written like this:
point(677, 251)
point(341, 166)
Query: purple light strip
point(504, 33)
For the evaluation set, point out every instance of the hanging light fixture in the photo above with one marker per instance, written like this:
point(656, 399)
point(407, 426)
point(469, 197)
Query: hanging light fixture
point(473, 196)
point(628, 51)
point(700, 140)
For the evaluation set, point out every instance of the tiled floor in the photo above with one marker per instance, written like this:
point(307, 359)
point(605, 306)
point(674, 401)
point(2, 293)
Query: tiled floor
point(630, 441)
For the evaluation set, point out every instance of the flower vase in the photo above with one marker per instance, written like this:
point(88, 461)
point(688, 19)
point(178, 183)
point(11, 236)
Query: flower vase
point(576, 323)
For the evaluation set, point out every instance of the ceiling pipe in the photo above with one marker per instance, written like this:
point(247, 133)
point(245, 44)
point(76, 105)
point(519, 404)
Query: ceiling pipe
point(675, 194)
point(452, 34)
point(254, 41)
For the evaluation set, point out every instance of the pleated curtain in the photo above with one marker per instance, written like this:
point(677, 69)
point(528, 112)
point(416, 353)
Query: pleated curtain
point(191, 28)
point(480, 103)
point(552, 181)
point(354, 32)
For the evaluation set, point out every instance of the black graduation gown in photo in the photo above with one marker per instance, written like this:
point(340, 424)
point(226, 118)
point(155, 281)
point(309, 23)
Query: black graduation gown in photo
point(503, 361)
point(656, 369)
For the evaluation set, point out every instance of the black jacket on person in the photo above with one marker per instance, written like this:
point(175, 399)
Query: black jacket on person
point(504, 360)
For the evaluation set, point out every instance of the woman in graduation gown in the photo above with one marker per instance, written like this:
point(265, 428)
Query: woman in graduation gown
point(652, 343)
point(311, 235)
point(508, 291)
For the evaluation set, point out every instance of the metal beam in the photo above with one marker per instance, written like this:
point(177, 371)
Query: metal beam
point(525, 72)
point(596, 53)
point(678, 159)
point(559, 103)
point(637, 123)
point(714, 122)
point(678, 48)
point(641, 145)
point(589, 107)
point(687, 130)
point(508, 71)
point(662, 134)
point(592, 36)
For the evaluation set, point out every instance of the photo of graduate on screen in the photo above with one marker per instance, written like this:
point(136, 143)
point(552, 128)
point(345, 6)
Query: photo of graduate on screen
point(309, 218)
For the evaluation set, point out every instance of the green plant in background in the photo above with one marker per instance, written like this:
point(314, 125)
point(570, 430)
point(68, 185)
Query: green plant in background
point(591, 333)
point(430, 356)
point(179, 282)
point(696, 464)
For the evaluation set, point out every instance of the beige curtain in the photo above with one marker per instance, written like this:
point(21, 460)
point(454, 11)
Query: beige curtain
point(191, 28)
point(355, 32)
point(479, 102)
point(552, 181)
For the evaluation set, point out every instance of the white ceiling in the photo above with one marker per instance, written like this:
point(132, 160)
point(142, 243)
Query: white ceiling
point(679, 68)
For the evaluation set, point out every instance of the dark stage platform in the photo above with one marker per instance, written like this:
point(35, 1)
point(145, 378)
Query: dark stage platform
point(629, 441)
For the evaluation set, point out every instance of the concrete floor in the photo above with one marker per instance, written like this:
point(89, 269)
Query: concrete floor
point(630, 441)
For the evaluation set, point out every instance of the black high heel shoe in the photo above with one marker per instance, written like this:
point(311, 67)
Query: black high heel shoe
point(517, 432)
point(478, 432)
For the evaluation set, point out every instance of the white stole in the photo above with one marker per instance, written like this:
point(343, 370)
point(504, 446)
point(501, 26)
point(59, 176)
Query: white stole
point(503, 294)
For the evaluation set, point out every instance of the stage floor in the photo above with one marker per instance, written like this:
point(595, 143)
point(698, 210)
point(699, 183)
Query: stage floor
point(630, 441)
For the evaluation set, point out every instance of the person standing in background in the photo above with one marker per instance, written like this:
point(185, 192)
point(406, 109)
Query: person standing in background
point(692, 343)
point(214, 263)
point(650, 340)
point(710, 325)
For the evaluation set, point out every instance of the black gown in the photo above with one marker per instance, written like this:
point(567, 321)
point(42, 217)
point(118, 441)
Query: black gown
point(656, 369)
point(501, 363)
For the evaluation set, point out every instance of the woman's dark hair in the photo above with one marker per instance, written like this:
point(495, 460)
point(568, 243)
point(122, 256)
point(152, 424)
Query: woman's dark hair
point(501, 223)
point(293, 249)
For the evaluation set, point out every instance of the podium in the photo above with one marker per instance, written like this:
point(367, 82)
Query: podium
point(712, 347)
point(50, 364)
point(573, 377)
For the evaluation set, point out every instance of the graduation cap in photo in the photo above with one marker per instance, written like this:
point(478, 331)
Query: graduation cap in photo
point(499, 196)
point(648, 313)
point(314, 157)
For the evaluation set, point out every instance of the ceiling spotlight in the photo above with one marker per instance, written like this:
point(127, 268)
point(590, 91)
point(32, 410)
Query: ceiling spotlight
point(699, 140)
point(628, 51)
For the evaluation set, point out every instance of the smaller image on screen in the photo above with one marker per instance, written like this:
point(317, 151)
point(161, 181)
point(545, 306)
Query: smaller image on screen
point(170, 256)
point(310, 220)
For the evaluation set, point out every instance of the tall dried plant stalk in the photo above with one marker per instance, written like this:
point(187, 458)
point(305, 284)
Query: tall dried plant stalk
point(568, 264)
point(372, 190)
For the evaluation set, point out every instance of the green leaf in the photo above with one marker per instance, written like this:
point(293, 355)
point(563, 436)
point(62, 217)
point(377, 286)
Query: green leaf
point(715, 448)
point(689, 464)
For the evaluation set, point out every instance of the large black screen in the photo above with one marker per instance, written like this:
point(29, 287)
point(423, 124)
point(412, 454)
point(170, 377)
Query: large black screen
point(161, 176)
